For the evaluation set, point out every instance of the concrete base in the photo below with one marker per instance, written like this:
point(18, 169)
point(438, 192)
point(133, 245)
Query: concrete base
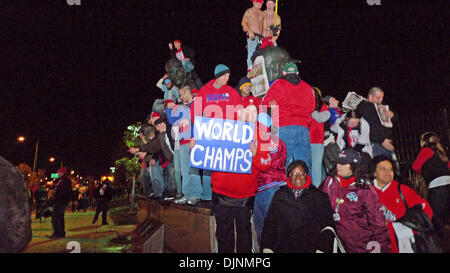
point(177, 228)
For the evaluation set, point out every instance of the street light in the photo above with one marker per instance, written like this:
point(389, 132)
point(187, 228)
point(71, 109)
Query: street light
point(22, 139)
point(51, 159)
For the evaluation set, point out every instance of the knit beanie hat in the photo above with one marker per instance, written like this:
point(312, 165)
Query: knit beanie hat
point(167, 80)
point(290, 67)
point(221, 70)
point(243, 82)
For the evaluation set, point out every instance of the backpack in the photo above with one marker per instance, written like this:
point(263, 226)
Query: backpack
point(425, 238)
point(330, 155)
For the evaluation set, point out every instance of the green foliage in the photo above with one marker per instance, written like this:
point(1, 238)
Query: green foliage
point(130, 165)
point(131, 134)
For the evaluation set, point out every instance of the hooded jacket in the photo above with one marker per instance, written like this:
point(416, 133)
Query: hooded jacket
point(222, 97)
point(361, 222)
point(296, 103)
point(359, 137)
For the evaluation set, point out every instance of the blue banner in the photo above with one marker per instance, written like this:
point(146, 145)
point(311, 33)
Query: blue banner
point(222, 145)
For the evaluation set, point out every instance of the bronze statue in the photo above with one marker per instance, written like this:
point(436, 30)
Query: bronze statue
point(179, 76)
point(275, 58)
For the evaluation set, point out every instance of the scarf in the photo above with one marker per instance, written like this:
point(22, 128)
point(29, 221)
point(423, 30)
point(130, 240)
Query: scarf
point(346, 182)
point(298, 191)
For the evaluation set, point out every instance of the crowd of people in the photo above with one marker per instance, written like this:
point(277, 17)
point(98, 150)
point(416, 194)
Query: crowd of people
point(321, 173)
point(51, 199)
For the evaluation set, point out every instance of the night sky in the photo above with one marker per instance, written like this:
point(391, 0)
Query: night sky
point(76, 76)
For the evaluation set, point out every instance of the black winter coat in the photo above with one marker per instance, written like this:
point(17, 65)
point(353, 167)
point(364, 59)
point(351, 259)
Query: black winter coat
point(107, 194)
point(294, 225)
point(64, 189)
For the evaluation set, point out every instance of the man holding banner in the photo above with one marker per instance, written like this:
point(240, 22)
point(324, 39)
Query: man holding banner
point(214, 100)
point(227, 148)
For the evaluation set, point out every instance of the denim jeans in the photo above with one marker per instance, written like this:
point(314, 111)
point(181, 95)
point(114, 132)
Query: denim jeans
point(192, 188)
point(297, 143)
point(181, 161)
point(206, 191)
point(145, 180)
point(157, 177)
point(316, 166)
point(170, 188)
point(262, 203)
point(251, 47)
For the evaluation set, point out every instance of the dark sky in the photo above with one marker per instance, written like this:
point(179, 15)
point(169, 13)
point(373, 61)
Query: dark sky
point(75, 77)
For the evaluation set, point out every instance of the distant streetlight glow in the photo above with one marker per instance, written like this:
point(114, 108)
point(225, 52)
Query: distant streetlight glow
point(21, 139)
point(52, 159)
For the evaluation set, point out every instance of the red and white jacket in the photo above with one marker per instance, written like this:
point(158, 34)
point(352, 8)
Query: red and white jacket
point(393, 207)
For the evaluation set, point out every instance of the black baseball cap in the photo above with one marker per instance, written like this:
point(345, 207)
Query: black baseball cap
point(349, 156)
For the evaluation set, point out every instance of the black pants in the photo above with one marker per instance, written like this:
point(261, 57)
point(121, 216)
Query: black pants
point(39, 208)
point(103, 208)
point(439, 199)
point(226, 217)
point(58, 218)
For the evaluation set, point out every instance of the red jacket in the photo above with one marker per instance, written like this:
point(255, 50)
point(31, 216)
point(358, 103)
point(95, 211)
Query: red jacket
point(210, 96)
point(238, 185)
point(296, 103)
point(394, 209)
point(316, 130)
point(276, 173)
point(251, 100)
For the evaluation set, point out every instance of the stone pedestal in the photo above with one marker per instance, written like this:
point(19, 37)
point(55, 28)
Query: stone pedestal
point(181, 228)
point(15, 210)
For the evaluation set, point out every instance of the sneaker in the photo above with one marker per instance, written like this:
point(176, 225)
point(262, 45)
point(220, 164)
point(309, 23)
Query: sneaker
point(181, 201)
point(151, 195)
point(169, 198)
point(193, 201)
point(179, 195)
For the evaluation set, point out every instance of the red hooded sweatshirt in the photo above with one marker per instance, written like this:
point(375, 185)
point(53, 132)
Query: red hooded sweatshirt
point(221, 98)
point(296, 103)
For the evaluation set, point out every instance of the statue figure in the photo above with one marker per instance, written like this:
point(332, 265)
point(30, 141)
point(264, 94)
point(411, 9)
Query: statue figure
point(15, 209)
point(275, 58)
point(178, 75)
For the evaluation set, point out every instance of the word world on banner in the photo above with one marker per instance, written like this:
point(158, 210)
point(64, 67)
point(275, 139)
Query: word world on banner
point(222, 145)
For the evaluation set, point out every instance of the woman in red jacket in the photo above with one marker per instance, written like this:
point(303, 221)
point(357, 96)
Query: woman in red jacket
point(391, 203)
point(432, 162)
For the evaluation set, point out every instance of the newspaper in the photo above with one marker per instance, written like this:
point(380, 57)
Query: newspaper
point(258, 77)
point(382, 111)
point(352, 100)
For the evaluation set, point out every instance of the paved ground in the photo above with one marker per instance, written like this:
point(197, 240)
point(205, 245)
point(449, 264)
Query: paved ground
point(80, 231)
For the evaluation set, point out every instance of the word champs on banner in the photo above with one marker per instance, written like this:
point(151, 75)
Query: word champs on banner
point(222, 145)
